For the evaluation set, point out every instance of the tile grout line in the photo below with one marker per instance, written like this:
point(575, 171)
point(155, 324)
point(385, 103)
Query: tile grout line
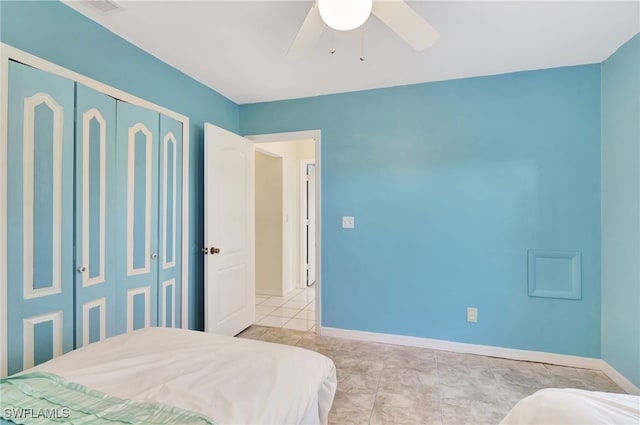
point(284, 301)
point(375, 397)
point(435, 354)
point(457, 403)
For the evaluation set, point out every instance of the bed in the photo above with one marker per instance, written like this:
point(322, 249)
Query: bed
point(206, 378)
point(574, 407)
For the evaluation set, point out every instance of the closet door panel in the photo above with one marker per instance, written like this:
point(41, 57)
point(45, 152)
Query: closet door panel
point(95, 215)
point(137, 217)
point(40, 217)
point(170, 231)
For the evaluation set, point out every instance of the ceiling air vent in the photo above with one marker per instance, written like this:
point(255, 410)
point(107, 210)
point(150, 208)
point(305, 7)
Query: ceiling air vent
point(106, 7)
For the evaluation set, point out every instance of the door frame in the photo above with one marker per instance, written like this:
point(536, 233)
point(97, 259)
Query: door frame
point(292, 137)
point(304, 163)
point(8, 52)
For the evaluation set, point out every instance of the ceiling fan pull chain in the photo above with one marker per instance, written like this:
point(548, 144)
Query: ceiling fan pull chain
point(332, 41)
point(362, 44)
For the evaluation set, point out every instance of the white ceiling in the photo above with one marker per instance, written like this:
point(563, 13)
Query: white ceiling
point(239, 48)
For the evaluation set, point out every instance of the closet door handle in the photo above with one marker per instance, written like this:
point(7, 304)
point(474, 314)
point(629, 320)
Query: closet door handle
point(154, 256)
point(214, 250)
point(82, 269)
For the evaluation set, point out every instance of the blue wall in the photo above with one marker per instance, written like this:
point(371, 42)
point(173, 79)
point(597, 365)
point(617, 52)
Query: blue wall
point(450, 184)
point(621, 210)
point(59, 34)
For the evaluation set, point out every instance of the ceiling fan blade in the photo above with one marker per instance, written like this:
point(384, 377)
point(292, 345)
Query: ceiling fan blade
point(406, 22)
point(309, 34)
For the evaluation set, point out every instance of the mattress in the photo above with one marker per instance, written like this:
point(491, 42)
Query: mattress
point(574, 407)
point(230, 380)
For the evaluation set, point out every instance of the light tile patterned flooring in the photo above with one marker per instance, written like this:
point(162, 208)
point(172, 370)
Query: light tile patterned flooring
point(390, 384)
point(296, 310)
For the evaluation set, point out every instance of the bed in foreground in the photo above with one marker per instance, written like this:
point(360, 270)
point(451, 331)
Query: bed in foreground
point(224, 379)
point(574, 407)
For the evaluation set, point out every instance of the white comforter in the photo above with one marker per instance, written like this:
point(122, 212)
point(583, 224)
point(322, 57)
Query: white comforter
point(554, 406)
point(230, 380)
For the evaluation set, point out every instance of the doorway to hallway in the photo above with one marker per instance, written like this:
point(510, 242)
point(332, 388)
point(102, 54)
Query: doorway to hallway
point(286, 205)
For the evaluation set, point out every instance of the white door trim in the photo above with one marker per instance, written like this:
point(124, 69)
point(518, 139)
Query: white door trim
point(4, 107)
point(303, 217)
point(267, 152)
point(7, 53)
point(316, 136)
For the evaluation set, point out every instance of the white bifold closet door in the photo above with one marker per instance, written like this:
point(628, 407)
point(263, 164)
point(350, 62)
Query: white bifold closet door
point(128, 214)
point(149, 158)
point(170, 222)
point(137, 218)
point(112, 263)
point(40, 277)
point(96, 231)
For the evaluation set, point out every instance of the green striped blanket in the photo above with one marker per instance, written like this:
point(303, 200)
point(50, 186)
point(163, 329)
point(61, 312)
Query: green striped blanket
point(45, 398)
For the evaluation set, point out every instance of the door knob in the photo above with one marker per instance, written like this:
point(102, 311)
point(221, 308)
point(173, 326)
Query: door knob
point(154, 256)
point(214, 250)
point(205, 250)
point(82, 269)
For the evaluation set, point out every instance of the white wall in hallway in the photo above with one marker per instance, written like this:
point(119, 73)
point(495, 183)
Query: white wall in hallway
point(269, 231)
point(292, 152)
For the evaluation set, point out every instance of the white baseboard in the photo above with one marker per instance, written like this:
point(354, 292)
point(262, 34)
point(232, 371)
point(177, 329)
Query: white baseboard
point(276, 292)
point(460, 347)
point(619, 379)
point(269, 292)
point(487, 350)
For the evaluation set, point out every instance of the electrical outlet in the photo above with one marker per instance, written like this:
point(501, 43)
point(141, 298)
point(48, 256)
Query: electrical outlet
point(348, 222)
point(472, 315)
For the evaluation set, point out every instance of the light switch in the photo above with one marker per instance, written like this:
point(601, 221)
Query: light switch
point(348, 222)
point(472, 314)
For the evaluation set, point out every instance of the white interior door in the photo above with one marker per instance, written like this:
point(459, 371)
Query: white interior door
point(229, 232)
point(311, 223)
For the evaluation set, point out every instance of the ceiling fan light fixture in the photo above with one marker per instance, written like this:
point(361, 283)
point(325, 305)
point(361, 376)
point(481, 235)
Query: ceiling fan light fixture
point(345, 15)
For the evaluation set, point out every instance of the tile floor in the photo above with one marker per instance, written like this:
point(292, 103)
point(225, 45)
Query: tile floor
point(390, 384)
point(296, 310)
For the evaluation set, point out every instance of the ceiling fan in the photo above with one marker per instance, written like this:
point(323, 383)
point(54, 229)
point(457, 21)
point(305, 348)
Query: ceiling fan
point(346, 15)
